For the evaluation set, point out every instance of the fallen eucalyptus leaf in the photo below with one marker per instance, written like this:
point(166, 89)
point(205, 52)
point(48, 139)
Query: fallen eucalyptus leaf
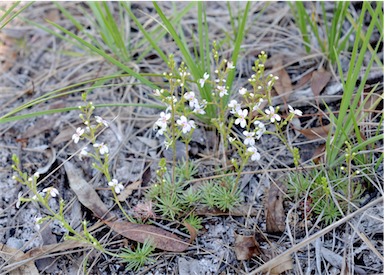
point(283, 84)
point(63, 136)
point(319, 154)
point(127, 191)
point(275, 214)
point(41, 125)
point(316, 132)
point(85, 192)
point(336, 260)
point(319, 80)
point(246, 247)
point(160, 238)
point(284, 264)
point(13, 256)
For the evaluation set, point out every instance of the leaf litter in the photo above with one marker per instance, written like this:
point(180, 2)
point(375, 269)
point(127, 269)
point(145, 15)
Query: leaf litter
point(159, 237)
point(217, 234)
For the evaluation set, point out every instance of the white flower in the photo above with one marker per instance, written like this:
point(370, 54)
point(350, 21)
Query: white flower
point(199, 108)
point(190, 97)
point(158, 92)
point(170, 99)
point(203, 80)
point(295, 111)
point(242, 114)
point(255, 156)
point(249, 140)
point(271, 113)
point(103, 149)
point(230, 65)
point(101, 120)
point(162, 121)
point(186, 125)
point(79, 132)
point(52, 191)
point(118, 187)
point(235, 106)
point(37, 222)
point(260, 129)
point(83, 153)
point(258, 104)
point(19, 196)
point(222, 91)
point(161, 131)
point(243, 91)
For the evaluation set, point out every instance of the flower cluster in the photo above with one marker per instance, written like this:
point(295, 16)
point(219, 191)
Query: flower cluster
point(248, 113)
point(101, 149)
point(197, 106)
point(161, 123)
point(179, 107)
point(186, 125)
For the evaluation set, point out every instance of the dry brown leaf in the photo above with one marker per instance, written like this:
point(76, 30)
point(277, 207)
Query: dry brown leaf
point(14, 255)
point(372, 102)
point(246, 247)
point(316, 132)
point(303, 81)
point(336, 260)
point(8, 52)
point(63, 136)
point(85, 192)
point(275, 214)
point(192, 231)
point(318, 155)
point(160, 238)
point(42, 124)
point(283, 85)
point(319, 80)
point(146, 176)
point(284, 264)
point(44, 251)
point(52, 15)
point(128, 190)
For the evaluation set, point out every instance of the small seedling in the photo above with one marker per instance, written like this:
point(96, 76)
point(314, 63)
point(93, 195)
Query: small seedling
point(327, 191)
point(136, 259)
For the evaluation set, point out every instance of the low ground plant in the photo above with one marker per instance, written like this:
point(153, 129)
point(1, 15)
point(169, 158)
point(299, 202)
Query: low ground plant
point(199, 92)
point(172, 197)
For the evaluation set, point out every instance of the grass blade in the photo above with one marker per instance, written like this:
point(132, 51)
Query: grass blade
point(108, 57)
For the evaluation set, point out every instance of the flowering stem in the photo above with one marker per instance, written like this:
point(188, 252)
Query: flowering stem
point(187, 157)
point(121, 207)
point(239, 173)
